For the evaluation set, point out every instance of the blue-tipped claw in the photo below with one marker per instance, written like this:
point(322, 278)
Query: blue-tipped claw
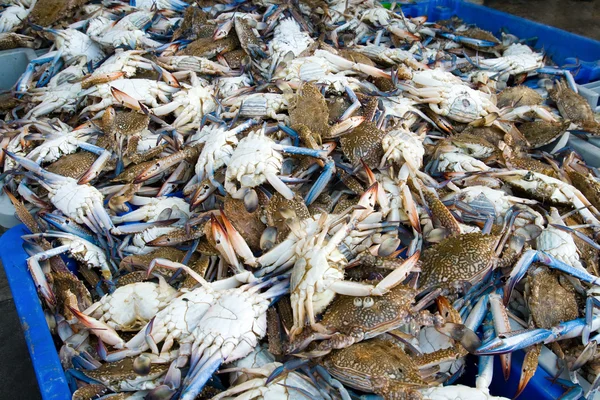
point(511, 342)
point(290, 132)
point(533, 256)
point(321, 182)
point(467, 40)
point(289, 366)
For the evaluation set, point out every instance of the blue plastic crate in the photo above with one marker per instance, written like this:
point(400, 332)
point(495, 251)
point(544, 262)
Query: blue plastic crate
point(48, 370)
point(563, 47)
point(51, 377)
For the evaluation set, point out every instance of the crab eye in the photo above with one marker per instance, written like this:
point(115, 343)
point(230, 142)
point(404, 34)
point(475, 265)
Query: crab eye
point(528, 177)
point(358, 302)
point(368, 302)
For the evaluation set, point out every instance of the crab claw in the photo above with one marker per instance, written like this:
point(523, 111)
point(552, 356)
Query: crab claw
point(397, 275)
point(95, 79)
point(103, 331)
point(95, 168)
point(321, 182)
point(530, 364)
point(163, 262)
point(223, 244)
point(511, 342)
point(125, 99)
point(532, 256)
point(202, 192)
point(239, 244)
point(345, 64)
point(39, 278)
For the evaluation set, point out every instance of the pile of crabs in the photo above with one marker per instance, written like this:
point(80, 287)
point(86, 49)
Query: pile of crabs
point(298, 199)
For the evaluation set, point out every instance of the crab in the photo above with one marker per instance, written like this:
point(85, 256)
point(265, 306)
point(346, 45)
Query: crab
point(573, 106)
point(257, 159)
point(121, 64)
point(59, 140)
point(217, 151)
point(12, 17)
point(459, 261)
point(254, 105)
point(317, 273)
point(448, 96)
point(480, 202)
point(62, 98)
point(132, 306)
point(199, 65)
point(123, 375)
point(377, 366)
point(385, 55)
point(288, 38)
point(237, 316)
point(401, 145)
point(557, 242)
point(82, 203)
point(324, 63)
point(80, 249)
point(155, 209)
point(516, 59)
point(546, 188)
point(190, 104)
point(349, 320)
point(257, 367)
point(130, 92)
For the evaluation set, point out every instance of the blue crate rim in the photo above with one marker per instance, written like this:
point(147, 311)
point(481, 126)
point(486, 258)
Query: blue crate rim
point(48, 370)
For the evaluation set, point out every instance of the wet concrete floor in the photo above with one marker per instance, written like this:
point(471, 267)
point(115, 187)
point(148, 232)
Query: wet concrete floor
point(17, 380)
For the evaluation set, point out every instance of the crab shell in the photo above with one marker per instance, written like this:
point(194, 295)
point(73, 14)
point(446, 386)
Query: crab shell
point(131, 306)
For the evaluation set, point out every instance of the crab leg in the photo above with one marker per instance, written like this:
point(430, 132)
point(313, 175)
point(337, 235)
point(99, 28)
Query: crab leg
point(501, 326)
point(321, 182)
point(360, 289)
point(223, 244)
point(104, 332)
point(530, 337)
point(533, 256)
point(239, 244)
point(39, 278)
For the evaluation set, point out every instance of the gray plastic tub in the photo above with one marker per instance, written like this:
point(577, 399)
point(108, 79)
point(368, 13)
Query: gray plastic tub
point(13, 62)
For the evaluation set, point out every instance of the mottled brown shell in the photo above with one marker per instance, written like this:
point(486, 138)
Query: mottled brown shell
point(477, 33)
point(355, 56)
point(375, 366)
point(309, 108)
point(550, 301)
point(126, 123)
point(73, 165)
point(368, 316)
point(587, 185)
point(92, 391)
point(456, 260)
point(530, 164)
point(364, 143)
point(64, 282)
point(130, 173)
point(540, 133)
point(47, 12)
point(194, 25)
point(207, 47)
point(235, 58)
point(518, 96)
point(337, 106)
point(249, 225)
point(144, 260)
point(114, 372)
point(572, 106)
point(276, 205)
